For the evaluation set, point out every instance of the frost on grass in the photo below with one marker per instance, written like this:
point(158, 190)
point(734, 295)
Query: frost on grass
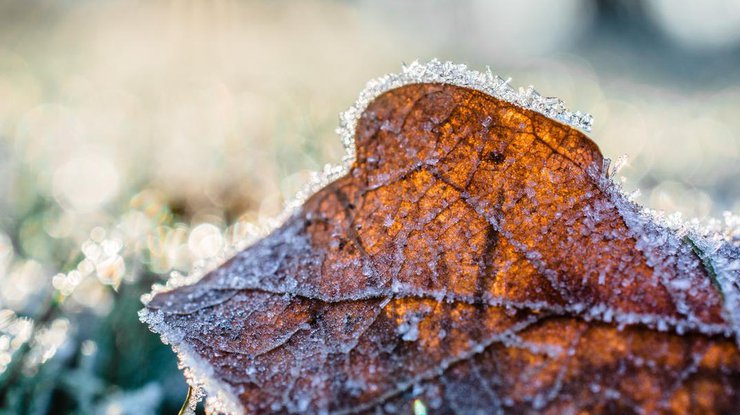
point(472, 255)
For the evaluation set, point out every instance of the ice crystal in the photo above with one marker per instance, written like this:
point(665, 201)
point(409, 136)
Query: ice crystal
point(436, 71)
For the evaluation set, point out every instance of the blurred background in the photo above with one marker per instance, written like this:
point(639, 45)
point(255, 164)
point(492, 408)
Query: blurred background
point(138, 137)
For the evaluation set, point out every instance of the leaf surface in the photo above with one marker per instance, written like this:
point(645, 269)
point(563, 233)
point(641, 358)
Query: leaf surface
point(476, 258)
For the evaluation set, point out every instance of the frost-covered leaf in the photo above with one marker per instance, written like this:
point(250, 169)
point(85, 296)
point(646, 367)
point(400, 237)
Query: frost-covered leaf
point(475, 258)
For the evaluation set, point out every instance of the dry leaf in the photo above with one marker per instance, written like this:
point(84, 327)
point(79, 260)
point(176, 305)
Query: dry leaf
point(475, 258)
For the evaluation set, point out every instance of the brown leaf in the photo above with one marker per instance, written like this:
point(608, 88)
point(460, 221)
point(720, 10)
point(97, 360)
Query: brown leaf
point(475, 257)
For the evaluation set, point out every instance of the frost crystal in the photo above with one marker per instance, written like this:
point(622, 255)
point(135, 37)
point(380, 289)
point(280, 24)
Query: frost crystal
point(435, 71)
